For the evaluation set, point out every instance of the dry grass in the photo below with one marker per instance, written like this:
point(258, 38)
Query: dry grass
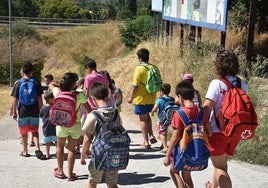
point(65, 47)
point(6, 99)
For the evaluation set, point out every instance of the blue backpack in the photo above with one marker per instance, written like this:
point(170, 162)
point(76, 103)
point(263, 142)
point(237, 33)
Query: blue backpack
point(192, 154)
point(165, 116)
point(110, 148)
point(27, 92)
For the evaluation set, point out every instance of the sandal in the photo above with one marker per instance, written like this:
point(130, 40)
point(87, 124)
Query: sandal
point(153, 140)
point(57, 175)
point(73, 177)
point(25, 155)
point(39, 154)
point(144, 146)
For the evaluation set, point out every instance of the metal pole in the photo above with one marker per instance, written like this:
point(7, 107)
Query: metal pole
point(10, 45)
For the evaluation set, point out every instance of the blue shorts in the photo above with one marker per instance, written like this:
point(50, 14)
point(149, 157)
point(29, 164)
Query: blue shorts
point(48, 139)
point(143, 109)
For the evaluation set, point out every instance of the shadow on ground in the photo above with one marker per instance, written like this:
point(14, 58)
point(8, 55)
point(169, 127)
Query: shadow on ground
point(138, 179)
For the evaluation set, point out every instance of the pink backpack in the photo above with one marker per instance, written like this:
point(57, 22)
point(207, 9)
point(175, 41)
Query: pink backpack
point(63, 110)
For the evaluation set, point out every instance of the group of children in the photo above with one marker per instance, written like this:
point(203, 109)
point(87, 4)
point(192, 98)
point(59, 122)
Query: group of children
point(186, 96)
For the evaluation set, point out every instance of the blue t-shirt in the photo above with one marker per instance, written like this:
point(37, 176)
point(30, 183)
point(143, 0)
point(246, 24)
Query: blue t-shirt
point(161, 101)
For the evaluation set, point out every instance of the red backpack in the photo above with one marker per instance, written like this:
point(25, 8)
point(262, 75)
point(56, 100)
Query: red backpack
point(63, 111)
point(237, 117)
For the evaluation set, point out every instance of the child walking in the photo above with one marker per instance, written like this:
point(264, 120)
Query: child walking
point(159, 107)
point(184, 97)
point(69, 134)
point(49, 130)
point(99, 93)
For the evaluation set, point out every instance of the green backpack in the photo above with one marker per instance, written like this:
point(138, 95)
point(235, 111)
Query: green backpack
point(154, 80)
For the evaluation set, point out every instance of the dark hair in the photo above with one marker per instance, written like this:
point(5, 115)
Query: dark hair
point(49, 76)
point(99, 91)
point(107, 75)
point(27, 68)
point(185, 89)
point(143, 54)
point(90, 63)
point(48, 95)
point(165, 88)
point(66, 83)
point(226, 63)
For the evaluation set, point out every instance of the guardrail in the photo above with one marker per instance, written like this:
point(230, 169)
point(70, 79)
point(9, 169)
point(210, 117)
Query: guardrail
point(52, 21)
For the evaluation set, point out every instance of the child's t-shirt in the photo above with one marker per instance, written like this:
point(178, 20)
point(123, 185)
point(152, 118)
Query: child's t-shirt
point(91, 122)
point(90, 79)
point(48, 128)
point(177, 123)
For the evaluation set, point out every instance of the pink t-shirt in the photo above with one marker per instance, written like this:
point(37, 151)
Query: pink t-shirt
point(90, 79)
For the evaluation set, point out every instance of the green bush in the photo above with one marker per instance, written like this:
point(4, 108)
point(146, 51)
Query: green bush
point(136, 31)
point(21, 29)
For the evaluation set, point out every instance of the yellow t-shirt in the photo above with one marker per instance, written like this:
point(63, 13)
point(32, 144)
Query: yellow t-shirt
point(142, 96)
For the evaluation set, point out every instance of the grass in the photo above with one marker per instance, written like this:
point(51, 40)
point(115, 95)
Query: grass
point(6, 100)
point(66, 47)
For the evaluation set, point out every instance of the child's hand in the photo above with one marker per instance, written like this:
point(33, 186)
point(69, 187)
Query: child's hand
point(83, 161)
point(167, 161)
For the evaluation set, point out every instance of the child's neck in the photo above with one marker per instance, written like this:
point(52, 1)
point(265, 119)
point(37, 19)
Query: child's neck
point(188, 104)
point(102, 104)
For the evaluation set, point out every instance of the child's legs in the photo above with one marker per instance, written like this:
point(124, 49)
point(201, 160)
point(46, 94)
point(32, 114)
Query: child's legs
point(186, 176)
point(144, 128)
point(48, 149)
point(92, 185)
point(221, 177)
point(34, 126)
point(162, 131)
point(24, 138)
point(111, 179)
point(71, 155)
point(60, 153)
point(175, 175)
point(36, 140)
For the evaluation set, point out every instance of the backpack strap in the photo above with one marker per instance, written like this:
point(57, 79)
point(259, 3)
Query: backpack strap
point(185, 118)
point(229, 84)
point(100, 119)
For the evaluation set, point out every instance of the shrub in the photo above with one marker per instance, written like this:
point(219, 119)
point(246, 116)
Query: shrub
point(136, 31)
point(21, 29)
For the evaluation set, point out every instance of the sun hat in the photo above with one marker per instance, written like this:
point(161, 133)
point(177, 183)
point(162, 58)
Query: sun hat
point(187, 76)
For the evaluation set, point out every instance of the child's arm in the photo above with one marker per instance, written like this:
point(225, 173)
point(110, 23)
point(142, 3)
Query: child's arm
point(155, 108)
point(85, 146)
point(176, 136)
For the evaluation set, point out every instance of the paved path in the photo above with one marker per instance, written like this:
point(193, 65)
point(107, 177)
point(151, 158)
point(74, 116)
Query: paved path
point(145, 168)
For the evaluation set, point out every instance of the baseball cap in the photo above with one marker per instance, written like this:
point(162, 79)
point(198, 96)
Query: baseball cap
point(187, 76)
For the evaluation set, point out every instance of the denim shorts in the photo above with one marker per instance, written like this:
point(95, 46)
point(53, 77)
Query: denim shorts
point(143, 109)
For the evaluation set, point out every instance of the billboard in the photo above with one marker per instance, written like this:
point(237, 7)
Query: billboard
point(157, 5)
point(203, 13)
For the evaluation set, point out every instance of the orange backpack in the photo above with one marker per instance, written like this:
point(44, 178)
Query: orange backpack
point(237, 117)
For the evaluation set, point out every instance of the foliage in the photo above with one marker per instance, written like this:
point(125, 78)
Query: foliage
point(255, 151)
point(59, 9)
point(238, 17)
point(124, 14)
point(136, 31)
point(21, 29)
point(25, 8)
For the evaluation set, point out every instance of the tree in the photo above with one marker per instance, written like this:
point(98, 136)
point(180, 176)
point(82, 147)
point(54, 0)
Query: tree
point(59, 9)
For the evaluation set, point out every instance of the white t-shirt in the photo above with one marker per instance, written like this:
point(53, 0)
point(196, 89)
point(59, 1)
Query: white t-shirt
point(216, 92)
